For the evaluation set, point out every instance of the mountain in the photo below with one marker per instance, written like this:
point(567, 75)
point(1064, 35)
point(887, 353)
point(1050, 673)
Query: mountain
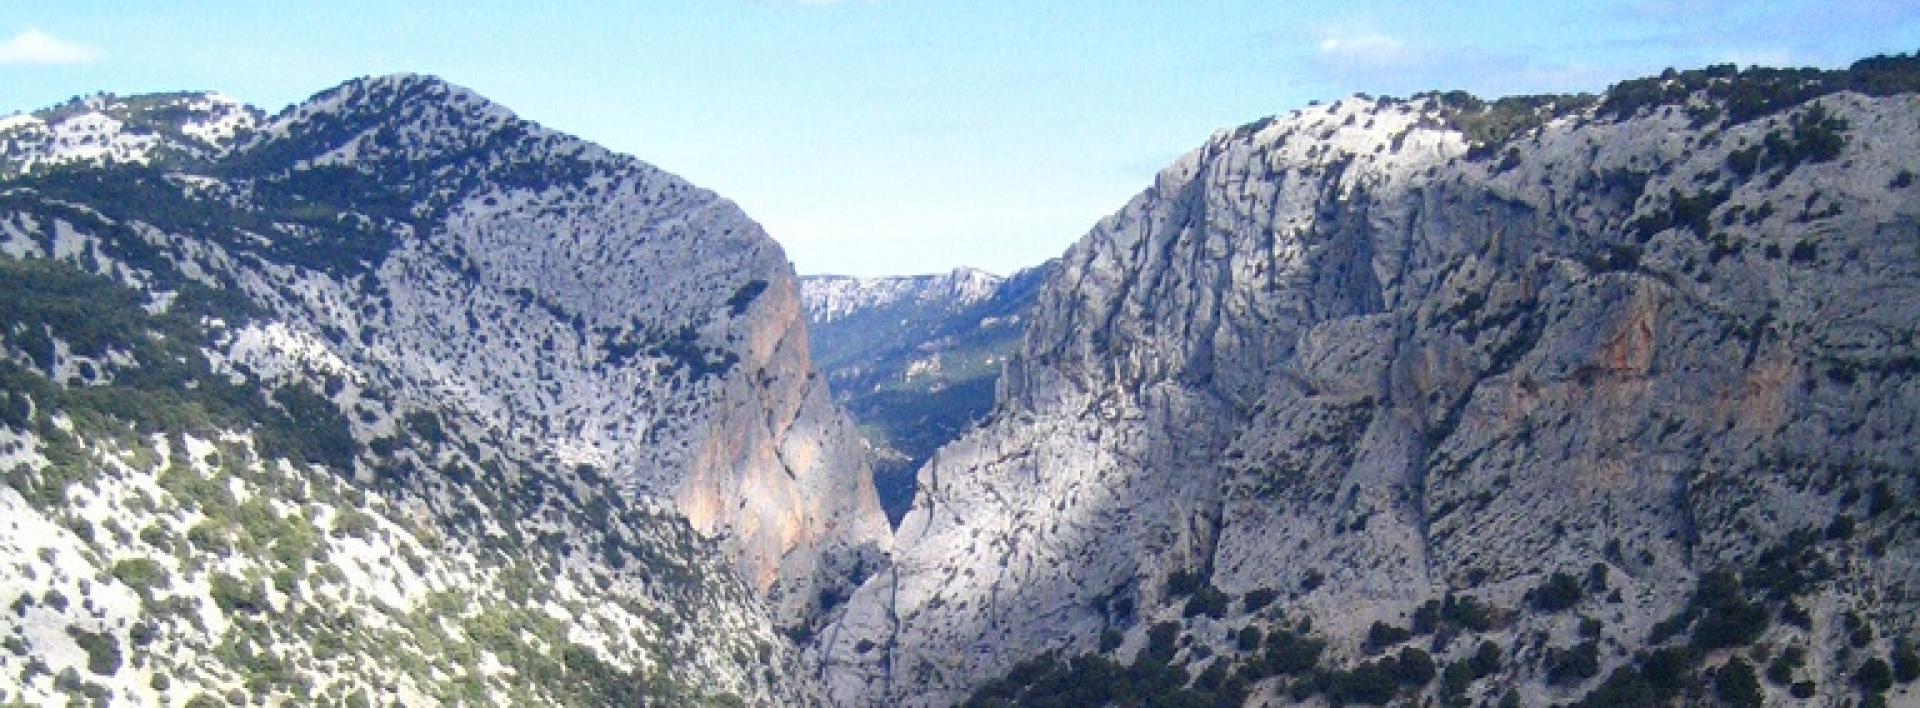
point(914, 359)
point(1531, 401)
point(396, 397)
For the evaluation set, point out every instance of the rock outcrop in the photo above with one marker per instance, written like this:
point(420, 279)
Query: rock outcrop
point(1340, 364)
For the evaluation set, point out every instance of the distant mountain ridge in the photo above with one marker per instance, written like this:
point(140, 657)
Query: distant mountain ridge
point(833, 297)
point(107, 129)
point(915, 358)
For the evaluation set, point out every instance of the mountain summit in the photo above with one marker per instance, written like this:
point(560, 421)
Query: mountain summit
point(254, 362)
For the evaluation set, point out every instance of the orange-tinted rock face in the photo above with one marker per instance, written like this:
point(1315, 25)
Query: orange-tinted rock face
point(1627, 348)
point(779, 473)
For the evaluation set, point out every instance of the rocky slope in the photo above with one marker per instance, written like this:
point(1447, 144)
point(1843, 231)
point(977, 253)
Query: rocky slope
point(1529, 401)
point(254, 363)
point(914, 359)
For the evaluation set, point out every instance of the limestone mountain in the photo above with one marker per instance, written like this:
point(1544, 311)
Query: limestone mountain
point(914, 359)
point(1549, 399)
point(394, 396)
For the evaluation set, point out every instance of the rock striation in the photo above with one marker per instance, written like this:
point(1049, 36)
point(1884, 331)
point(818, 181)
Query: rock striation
point(573, 390)
point(1341, 367)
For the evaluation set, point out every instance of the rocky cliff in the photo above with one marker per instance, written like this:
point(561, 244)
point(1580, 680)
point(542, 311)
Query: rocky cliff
point(253, 362)
point(1542, 399)
point(915, 358)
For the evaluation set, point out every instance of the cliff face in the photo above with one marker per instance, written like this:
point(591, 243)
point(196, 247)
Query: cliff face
point(674, 350)
point(548, 359)
point(1355, 361)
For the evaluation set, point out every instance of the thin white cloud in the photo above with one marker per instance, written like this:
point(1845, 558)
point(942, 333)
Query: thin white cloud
point(34, 47)
point(1365, 48)
point(1367, 60)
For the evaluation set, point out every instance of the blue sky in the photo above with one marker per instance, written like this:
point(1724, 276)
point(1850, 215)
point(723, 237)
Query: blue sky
point(897, 136)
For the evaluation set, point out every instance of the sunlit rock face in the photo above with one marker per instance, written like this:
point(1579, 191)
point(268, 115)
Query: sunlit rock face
point(1356, 358)
point(570, 389)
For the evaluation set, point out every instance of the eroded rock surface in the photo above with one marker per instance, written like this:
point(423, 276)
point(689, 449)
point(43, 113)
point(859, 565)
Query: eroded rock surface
point(1348, 358)
point(572, 390)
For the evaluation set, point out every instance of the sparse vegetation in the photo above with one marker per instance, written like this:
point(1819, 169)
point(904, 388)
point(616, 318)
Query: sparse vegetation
point(142, 574)
point(1755, 92)
point(1490, 125)
point(1558, 593)
point(429, 559)
point(103, 650)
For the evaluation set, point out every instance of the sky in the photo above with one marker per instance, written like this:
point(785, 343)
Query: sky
point(879, 137)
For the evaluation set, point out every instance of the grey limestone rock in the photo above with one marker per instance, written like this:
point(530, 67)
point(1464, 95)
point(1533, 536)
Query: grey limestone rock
point(1335, 355)
point(554, 365)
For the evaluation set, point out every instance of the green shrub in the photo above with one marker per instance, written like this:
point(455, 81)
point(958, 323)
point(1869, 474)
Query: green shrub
point(233, 594)
point(1207, 600)
point(1414, 667)
point(1426, 619)
point(1312, 580)
point(1906, 662)
point(1290, 653)
point(1160, 641)
point(1874, 677)
point(1558, 592)
point(1369, 682)
point(1726, 618)
point(1669, 669)
point(1467, 611)
point(210, 536)
point(1381, 634)
point(54, 599)
point(143, 633)
point(103, 650)
point(355, 523)
point(1486, 660)
point(1736, 685)
point(1859, 630)
point(1455, 680)
point(1566, 667)
point(157, 535)
point(1247, 639)
point(1780, 670)
point(141, 574)
point(1182, 582)
point(311, 430)
point(1590, 627)
point(1258, 599)
point(1623, 687)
